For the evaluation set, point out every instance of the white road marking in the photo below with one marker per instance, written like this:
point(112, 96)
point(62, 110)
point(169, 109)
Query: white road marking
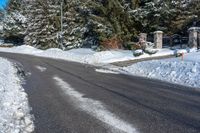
point(95, 108)
point(42, 69)
point(106, 71)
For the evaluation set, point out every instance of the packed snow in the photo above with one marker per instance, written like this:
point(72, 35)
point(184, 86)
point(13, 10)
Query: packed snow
point(185, 72)
point(84, 55)
point(106, 71)
point(95, 108)
point(41, 68)
point(14, 109)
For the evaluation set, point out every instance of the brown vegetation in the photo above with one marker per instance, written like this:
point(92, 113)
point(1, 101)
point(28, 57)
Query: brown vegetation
point(112, 43)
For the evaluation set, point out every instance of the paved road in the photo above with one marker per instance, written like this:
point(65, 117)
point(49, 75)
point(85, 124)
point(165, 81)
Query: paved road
point(69, 97)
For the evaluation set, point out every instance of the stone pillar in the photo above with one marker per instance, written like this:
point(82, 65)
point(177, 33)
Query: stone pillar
point(158, 39)
point(143, 40)
point(193, 37)
point(143, 37)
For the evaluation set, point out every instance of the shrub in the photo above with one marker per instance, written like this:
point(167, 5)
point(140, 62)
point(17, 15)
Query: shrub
point(112, 43)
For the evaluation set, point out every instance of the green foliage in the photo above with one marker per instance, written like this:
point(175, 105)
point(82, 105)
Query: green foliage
point(14, 21)
point(89, 22)
point(116, 18)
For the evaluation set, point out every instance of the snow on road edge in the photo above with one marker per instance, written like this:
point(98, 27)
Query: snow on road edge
point(89, 56)
point(94, 108)
point(106, 71)
point(84, 55)
point(14, 108)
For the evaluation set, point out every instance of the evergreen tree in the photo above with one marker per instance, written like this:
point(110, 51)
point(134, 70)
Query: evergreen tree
point(45, 24)
point(14, 22)
point(90, 22)
point(1, 22)
point(114, 15)
point(182, 16)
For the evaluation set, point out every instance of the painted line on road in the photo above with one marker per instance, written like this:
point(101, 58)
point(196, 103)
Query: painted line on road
point(94, 108)
point(42, 69)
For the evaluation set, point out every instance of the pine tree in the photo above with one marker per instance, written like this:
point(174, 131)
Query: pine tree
point(114, 15)
point(1, 22)
point(182, 16)
point(43, 24)
point(90, 22)
point(14, 22)
point(169, 16)
point(75, 23)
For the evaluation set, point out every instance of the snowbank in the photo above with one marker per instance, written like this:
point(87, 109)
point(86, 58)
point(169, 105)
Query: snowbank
point(85, 55)
point(173, 70)
point(14, 108)
point(193, 57)
point(186, 72)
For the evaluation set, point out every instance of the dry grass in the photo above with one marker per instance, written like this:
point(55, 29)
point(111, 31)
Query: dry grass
point(112, 43)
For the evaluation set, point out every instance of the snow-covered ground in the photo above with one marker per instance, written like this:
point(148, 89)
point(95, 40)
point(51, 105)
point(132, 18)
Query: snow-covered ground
point(174, 70)
point(185, 72)
point(84, 55)
point(14, 109)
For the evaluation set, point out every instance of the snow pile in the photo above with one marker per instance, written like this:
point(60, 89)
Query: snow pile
point(84, 55)
point(25, 49)
point(14, 108)
point(107, 71)
point(194, 57)
point(186, 72)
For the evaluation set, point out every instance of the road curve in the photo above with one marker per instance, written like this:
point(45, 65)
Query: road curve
point(68, 97)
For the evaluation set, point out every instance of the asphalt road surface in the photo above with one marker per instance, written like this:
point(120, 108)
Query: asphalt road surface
point(68, 97)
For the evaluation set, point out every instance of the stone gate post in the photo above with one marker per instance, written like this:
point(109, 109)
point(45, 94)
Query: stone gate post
point(193, 37)
point(158, 39)
point(143, 37)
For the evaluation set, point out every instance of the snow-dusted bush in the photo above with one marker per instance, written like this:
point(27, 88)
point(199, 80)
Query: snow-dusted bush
point(138, 52)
